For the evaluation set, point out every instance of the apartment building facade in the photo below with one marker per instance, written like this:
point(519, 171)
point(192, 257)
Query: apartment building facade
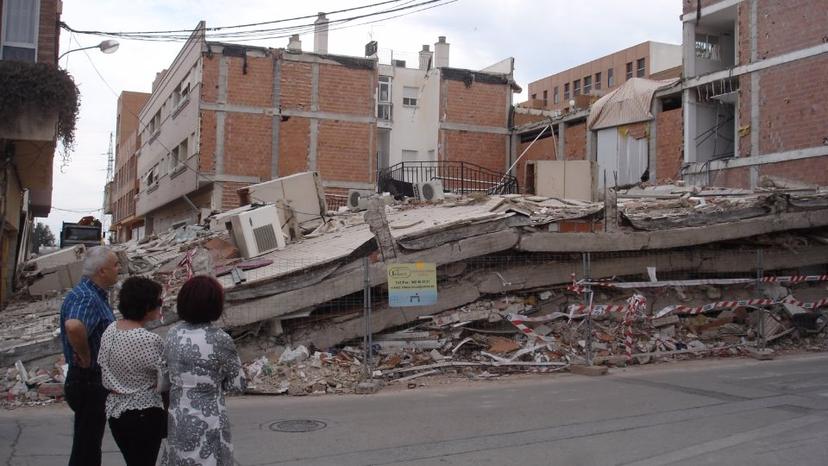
point(224, 116)
point(597, 77)
point(754, 91)
point(123, 188)
point(436, 113)
point(29, 34)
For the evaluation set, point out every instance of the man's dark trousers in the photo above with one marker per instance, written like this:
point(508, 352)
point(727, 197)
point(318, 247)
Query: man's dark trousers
point(86, 395)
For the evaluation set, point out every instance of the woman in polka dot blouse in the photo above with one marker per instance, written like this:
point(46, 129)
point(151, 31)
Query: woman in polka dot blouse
point(129, 358)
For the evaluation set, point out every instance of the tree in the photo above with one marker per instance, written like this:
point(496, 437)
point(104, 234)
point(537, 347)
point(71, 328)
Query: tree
point(42, 236)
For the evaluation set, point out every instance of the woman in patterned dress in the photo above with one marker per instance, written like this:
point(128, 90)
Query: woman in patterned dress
point(202, 364)
point(129, 358)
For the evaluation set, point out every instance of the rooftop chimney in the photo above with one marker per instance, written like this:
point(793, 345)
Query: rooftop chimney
point(294, 44)
point(425, 58)
point(441, 53)
point(320, 34)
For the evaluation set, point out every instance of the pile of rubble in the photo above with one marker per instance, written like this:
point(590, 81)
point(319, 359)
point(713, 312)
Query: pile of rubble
point(548, 331)
point(33, 386)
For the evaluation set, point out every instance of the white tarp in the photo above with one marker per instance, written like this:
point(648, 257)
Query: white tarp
point(630, 103)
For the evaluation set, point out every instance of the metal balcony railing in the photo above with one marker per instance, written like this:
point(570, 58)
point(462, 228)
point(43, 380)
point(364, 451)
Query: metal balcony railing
point(456, 176)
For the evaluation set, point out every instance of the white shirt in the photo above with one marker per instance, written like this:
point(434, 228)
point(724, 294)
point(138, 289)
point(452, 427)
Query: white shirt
point(129, 361)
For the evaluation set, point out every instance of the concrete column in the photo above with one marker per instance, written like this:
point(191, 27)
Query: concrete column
point(652, 160)
point(559, 153)
point(276, 121)
point(688, 108)
point(591, 144)
point(314, 123)
point(754, 82)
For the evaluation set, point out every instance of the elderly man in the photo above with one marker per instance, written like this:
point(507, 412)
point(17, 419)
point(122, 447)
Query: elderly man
point(84, 316)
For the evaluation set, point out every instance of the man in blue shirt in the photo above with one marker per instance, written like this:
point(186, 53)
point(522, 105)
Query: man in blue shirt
point(84, 316)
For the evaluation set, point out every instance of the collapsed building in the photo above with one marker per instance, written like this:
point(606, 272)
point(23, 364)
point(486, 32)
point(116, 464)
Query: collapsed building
point(513, 273)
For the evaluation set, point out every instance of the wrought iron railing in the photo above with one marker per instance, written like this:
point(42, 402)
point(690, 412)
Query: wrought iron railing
point(456, 176)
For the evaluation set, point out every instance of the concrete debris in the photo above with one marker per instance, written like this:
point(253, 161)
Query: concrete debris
point(496, 256)
point(33, 386)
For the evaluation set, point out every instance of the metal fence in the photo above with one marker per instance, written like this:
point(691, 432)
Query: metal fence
point(456, 176)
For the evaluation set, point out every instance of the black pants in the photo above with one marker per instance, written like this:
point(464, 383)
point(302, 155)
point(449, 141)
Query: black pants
point(86, 396)
point(138, 434)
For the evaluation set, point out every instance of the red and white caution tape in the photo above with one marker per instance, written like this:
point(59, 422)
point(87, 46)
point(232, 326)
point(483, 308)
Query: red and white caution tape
point(793, 279)
point(581, 310)
point(690, 310)
point(635, 306)
point(518, 322)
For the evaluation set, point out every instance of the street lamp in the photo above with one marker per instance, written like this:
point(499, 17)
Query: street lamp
point(107, 46)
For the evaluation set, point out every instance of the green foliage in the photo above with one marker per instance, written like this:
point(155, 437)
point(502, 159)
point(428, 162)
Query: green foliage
point(42, 236)
point(43, 87)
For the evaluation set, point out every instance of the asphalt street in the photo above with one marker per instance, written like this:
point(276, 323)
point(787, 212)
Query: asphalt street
point(736, 411)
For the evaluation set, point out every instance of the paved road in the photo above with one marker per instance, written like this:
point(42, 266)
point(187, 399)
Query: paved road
point(705, 412)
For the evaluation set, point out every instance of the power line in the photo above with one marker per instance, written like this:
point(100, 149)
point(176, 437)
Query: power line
point(259, 34)
point(218, 28)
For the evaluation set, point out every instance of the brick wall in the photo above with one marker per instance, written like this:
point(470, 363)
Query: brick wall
point(209, 77)
point(49, 33)
point(542, 149)
point(248, 144)
point(669, 143)
point(294, 141)
point(207, 144)
point(690, 5)
point(295, 85)
point(479, 104)
point(345, 151)
point(484, 149)
point(575, 141)
point(255, 88)
point(346, 90)
point(794, 105)
point(520, 119)
point(229, 197)
point(731, 178)
point(812, 170)
point(788, 25)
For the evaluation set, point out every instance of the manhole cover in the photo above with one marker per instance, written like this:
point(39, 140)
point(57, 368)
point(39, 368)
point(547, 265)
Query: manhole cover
point(297, 425)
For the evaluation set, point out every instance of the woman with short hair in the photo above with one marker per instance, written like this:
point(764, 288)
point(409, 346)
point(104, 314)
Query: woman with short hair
point(203, 363)
point(129, 358)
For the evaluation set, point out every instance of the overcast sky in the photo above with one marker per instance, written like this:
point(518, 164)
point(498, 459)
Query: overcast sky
point(544, 37)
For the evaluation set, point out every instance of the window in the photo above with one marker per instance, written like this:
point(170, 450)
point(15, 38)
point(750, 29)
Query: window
point(410, 96)
point(587, 84)
point(180, 93)
point(629, 71)
point(179, 154)
point(384, 98)
point(556, 96)
point(19, 30)
point(641, 68)
point(409, 155)
point(545, 98)
point(566, 91)
point(534, 97)
point(576, 87)
point(155, 123)
point(610, 77)
point(707, 47)
point(152, 176)
point(598, 81)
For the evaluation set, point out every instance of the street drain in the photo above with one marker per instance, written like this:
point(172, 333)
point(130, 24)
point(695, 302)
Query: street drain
point(297, 425)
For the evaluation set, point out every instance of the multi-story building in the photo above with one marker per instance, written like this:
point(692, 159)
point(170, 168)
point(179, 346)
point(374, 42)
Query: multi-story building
point(599, 76)
point(123, 187)
point(437, 113)
point(754, 91)
point(224, 116)
point(30, 122)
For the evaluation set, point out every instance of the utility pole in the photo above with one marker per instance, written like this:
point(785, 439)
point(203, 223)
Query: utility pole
point(110, 159)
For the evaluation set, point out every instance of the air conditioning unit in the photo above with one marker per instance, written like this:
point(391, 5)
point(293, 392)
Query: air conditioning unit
point(430, 191)
point(358, 199)
point(257, 231)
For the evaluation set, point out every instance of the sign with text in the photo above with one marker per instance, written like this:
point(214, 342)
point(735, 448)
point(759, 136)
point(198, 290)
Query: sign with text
point(412, 284)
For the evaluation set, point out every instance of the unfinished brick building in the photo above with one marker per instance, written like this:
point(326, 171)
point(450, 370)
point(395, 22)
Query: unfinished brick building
point(224, 116)
point(119, 200)
point(754, 96)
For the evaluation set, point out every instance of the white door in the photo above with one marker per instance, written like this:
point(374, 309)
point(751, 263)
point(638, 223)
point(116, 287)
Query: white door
point(622, 154)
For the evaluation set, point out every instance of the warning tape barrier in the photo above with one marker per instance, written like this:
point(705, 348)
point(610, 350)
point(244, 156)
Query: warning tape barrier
point(688, 310)
point(793, 279)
